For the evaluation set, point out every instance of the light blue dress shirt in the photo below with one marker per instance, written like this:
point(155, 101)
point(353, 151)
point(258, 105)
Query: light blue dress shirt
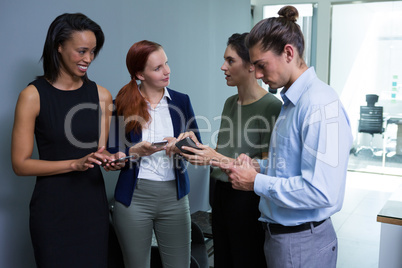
point(304, 177)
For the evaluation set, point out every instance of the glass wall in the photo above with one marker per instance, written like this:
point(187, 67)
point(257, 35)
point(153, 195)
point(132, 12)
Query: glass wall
point(366, 58)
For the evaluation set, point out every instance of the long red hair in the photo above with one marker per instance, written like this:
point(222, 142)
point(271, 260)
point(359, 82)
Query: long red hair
point(129, 101)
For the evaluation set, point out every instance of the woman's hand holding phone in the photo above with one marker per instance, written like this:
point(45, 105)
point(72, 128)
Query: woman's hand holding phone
point(197, 153)
point(159, 144)
point(122, 159)
point(115, 162)
point(145, 148)
point(185, 143)
point(189, 134)
point(171, 149)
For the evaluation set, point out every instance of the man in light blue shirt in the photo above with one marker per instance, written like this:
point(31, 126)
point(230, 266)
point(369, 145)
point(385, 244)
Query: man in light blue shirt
point(308, 156)
point(302, 183)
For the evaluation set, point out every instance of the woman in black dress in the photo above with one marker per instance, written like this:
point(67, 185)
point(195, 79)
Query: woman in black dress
point(69, 116)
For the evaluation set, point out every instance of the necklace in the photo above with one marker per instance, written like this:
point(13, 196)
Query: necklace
point(155, 103)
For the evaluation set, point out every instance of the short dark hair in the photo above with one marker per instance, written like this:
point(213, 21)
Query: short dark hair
point(61, 30)
point(238, 43)
point(274, 33)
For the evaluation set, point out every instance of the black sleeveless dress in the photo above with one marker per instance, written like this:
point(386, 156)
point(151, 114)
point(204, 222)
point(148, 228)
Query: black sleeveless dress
point(69, 218)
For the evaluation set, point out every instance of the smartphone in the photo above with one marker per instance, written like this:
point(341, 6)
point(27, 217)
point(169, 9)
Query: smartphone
point(187, 142)
point(122, 159)
point(159, 143)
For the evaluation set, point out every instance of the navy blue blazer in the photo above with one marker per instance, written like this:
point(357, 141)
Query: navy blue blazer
point(183, 119)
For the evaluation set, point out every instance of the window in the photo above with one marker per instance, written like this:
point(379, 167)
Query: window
point(366, 58)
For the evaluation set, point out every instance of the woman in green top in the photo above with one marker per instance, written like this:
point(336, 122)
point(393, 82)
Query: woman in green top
point(246, 124)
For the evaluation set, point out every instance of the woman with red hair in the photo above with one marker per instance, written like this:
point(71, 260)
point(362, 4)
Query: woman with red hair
point(152, 188)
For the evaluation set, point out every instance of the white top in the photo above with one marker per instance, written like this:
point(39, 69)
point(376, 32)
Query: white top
point(158, 166)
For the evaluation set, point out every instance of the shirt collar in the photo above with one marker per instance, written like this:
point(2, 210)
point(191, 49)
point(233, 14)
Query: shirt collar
point(296, 90)
point(166, 94)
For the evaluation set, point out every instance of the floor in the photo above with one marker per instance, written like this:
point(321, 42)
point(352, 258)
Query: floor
point(367, 161)
point(356, 224)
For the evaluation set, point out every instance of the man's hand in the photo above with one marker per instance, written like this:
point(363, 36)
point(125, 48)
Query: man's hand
point(241, 172)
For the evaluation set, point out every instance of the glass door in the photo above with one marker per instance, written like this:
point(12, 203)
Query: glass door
point(366, 59)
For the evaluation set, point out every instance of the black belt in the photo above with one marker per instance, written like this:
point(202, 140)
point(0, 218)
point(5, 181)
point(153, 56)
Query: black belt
point(281, 229)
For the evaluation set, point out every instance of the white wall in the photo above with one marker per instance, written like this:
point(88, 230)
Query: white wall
point(194, 35)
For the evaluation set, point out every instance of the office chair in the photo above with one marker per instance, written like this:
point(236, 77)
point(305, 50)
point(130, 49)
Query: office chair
point(371, 121)
point(198, 247)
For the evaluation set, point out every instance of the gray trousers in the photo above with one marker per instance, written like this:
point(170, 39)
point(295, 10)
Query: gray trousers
point(154, 207)
point(313, 248)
